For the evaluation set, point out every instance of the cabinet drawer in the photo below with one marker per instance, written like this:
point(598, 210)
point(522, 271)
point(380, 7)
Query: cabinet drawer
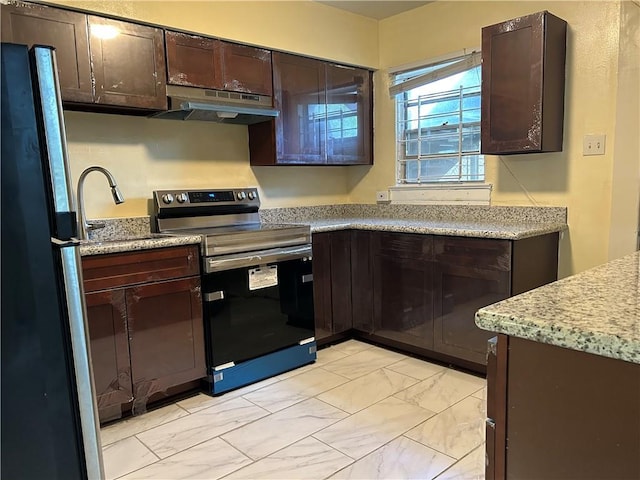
point(404, 245)
point(101, 272)
point(486, 253)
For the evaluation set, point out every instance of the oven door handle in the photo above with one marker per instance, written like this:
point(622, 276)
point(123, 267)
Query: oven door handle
point(260, 257)
point(214, 296)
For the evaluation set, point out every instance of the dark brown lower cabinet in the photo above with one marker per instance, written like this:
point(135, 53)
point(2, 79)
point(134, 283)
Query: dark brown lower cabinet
point(332, 283)
point(420, 292)
point(361, 281)
point(166, 336)
point(109, 344)
point(403, 288)
point(146, 337)
point(469, 273)
point(321, 246)
point(560, 413)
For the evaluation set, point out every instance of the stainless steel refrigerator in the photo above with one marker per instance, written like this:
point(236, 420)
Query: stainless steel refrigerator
point(49, 417)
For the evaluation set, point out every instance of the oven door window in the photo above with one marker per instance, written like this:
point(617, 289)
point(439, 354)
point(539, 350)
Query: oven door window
point(257, 310)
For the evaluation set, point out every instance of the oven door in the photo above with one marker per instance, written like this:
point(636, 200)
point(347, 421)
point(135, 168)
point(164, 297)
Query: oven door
point(256, 304)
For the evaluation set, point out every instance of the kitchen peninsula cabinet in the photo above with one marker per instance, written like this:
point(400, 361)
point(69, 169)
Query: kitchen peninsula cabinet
point(325, 115)
point(145, 326)
point(67, 31)
point(195, 61)
point(523, 73)
point(102, 63)
point(562, 352)
point(542, 422)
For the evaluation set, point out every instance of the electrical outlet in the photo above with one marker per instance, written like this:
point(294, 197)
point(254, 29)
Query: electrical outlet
point(382, 196)
point(593, 144)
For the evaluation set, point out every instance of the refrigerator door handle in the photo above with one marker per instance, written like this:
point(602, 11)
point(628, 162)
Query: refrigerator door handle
point(82, 359)
point(49, 103)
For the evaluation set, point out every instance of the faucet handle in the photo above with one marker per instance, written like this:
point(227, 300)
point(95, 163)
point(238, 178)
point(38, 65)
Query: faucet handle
point(94, 225)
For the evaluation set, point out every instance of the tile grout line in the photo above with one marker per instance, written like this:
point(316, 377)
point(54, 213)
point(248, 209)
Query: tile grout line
point(315, 396)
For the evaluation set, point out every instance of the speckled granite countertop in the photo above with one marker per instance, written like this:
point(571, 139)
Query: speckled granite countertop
point(506, 231)
point(132, 244)
point(503, 222)
point(130, 234)
point(597, 311)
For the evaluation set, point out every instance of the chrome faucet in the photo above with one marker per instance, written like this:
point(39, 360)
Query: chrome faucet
point(83, 226)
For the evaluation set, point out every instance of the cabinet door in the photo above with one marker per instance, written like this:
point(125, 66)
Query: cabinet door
point(166, 338)
point(470, 273)
point(128, 64)
point(496, 439)
point(109, 345)
point(299, 85)
point(403, 288)
point(341, 281)
point(348, 113)
point(246, 69)
point(32, 24)
point(361, 281)
point(460, 292)
point(193, 61)
point(321, 245)
point(523, 63)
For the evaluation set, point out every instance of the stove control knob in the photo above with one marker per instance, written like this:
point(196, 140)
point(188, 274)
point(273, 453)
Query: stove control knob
point(167, 198)
point(252, 195)
point(181, 197)
point(241, 195)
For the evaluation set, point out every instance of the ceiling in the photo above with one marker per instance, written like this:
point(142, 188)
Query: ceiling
point(375, 9)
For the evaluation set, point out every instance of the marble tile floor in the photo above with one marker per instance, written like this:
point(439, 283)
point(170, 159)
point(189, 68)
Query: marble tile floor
point(359, 412)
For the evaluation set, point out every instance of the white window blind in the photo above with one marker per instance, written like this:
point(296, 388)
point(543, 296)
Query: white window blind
point(412, 79)
point(438, 122)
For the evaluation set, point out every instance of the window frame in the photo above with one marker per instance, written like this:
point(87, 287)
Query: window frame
point(451, 64)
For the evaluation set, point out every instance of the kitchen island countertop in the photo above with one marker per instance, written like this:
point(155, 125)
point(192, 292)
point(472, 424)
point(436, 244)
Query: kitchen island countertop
point(596, 311)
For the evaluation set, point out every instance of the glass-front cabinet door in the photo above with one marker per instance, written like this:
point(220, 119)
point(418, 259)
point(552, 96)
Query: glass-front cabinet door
point(300, 97)
point(348, 115)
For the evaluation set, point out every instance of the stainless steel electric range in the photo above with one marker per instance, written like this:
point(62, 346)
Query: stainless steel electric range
point(257, 283)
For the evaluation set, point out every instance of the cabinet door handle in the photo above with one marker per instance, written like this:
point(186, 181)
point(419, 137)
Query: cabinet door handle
point(307, 278)
point(214, 296)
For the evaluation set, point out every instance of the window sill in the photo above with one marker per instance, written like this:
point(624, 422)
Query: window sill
point(447, 193)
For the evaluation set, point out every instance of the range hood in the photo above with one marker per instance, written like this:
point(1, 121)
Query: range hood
point(190, 103)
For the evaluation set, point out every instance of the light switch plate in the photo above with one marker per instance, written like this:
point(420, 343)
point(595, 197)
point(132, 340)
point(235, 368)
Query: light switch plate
point(593, 145)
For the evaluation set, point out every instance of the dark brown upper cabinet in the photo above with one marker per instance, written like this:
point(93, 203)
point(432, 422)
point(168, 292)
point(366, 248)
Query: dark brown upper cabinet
point(523, 71)
point(101, 62)
point(325, 115)
point(66, 31)
point(246, 69)
point(348, 115)
point(128, 64)
point(193, 61)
